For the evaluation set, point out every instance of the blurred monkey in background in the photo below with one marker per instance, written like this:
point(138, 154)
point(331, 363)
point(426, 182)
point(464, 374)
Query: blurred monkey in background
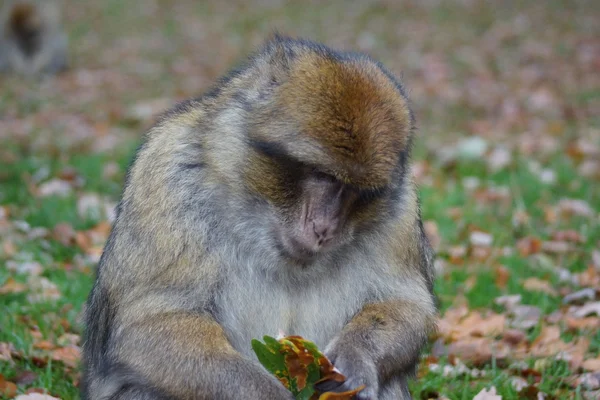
point(32, 39)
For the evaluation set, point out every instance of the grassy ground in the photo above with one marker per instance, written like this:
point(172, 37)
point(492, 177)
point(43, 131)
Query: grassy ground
point(507, 97)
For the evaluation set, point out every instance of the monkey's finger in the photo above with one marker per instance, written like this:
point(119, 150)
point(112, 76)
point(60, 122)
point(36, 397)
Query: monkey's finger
point(328, 385)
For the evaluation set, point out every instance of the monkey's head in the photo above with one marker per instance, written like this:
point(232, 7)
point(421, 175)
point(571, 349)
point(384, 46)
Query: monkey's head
point(329, 148)
point(25, 26)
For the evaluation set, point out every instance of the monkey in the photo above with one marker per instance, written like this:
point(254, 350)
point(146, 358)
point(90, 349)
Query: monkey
point(32, 39)
point(280, 199)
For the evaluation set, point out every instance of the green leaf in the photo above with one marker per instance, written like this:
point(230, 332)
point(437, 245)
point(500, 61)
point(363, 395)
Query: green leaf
point(306, 393)
point(272, 360)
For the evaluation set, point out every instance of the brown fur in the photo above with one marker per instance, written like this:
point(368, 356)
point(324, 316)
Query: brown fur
point(23, 20)
point(192, 271)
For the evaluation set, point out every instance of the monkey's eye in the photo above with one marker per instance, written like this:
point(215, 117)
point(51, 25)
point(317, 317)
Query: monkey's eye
point(321, 175)
point(370, 195)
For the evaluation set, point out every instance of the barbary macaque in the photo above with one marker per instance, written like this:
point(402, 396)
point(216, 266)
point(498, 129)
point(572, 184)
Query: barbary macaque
point(32, 39)
point(282, 199)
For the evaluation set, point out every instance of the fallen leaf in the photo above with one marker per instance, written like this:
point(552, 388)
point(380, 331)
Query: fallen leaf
point(55, 187)
point(582, 323)
point(575, 207)
point(513, 336)
point(508, 301)
point(68, 339)
point(472, 147)
point(42, 289)
point(457, 254)
point(589, 278)
point(518, 383)
point(529, 245)
point(7, 388)
point(25, 378)
point(591, 394)
point(592, 364)
point(6, 350)
point(64, 234)
point(570, 235)
point(69, 355)
point(482, 239)
point(587, 309)
point(548, 343)
point(487, 395)
point(580, 296)
point(557, 247)
point(538, 285)
point(89, 206)
point(35, 396)
point(589, 381)
point(576, 352)
point(476, 325)
point(525, 316)
point(499, 158)
point(27, 267)
point(44, 345)
point(502, 276)
point(348, 395)
point(12, 286)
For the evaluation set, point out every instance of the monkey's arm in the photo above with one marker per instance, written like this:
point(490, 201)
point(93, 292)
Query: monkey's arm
point(392, 332)
point(383, 339)
point(185, 355)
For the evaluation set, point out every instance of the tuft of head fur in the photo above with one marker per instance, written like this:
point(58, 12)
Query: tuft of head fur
point(340, 112)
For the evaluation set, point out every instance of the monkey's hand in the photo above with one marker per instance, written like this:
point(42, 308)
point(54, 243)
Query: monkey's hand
point(266, 386)
point(358, 368)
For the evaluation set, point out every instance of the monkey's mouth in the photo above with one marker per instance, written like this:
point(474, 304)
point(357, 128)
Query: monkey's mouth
point(292, 249)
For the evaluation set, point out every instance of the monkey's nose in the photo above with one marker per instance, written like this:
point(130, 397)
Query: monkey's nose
point(323, 231)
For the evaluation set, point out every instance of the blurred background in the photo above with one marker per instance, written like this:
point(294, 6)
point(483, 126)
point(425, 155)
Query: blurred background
point(507, 100)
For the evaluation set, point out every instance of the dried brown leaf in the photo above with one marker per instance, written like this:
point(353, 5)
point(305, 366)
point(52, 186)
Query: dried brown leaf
point(574, 323)
point(570, 235)
point(529, 245)
point(7, 389)
point(556, 246)
point(12, 286)
point(538, 285)
point(64, 234)
point(6, 351)
point(502, 276)
point(592, 364)
point(69, 355)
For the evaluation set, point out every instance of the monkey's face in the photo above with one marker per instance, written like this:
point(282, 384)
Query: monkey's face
point(311, 212)
point(316, 221)
point(327, 151)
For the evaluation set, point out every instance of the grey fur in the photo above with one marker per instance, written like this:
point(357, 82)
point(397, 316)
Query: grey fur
point(191, 251)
